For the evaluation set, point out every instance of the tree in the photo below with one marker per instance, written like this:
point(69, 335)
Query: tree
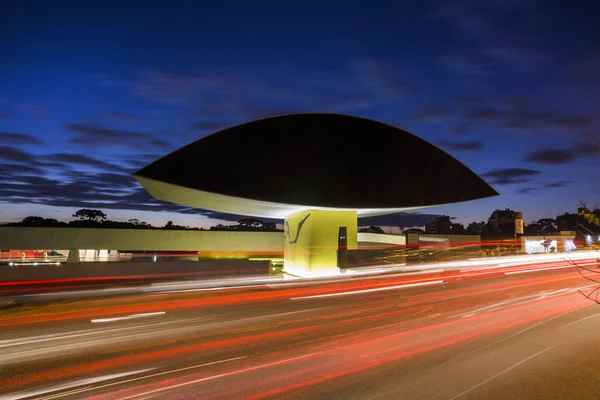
point(87, 214)
point(372, 229)
point(33, 221)
point(270, 226)
point(547, 225)
point(134, 221)
point(39, 221)
point(250, 223)
point(590, 224)
point(169, 225)
point(591, 217)
point(220, 227)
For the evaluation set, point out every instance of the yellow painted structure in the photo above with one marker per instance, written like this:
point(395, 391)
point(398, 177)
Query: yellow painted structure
point(213, 242)
point(311, 241)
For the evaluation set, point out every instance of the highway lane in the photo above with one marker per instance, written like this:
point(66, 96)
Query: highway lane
point(518, 332)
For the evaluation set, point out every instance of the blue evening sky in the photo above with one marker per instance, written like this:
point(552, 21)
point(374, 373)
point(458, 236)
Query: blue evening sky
point(92, 91)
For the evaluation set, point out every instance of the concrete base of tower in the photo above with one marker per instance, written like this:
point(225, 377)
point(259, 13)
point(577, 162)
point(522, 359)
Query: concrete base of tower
point(313, 240)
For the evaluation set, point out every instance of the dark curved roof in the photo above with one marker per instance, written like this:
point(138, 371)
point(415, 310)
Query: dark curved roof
point(323, 160)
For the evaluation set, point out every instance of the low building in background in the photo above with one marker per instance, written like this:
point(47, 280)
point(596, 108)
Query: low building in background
point(557, 242)
point(443, 225)
point(505, 223)
point(476, 228)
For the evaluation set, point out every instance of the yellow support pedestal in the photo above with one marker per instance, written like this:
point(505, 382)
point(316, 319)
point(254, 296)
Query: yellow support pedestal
point(312, 238)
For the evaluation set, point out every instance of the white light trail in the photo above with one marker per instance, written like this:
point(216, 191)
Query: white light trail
point(409, 285)
point(77, 391)
point(551, 268)
point(81, 382)
point(134, 316)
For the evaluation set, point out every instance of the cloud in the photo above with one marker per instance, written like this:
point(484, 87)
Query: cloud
point(562, 156)
point(431, 115)
point(8, 171)
point(506, 176)
point(105, 80)
point(470, 145)
point(138, 161)
point(121, 117)
point(93, 135)
point(37, 112)
point(253, 112)
point(13, 138)
point(212, 126)
point(462, 64)
point(520, 60)
point(572, 122)
point(499, 34)
point(482, 114)
point(526, 190)
point(459, 130)
point(583, 72)
point(11, 154)
point(378, 77)
point(524, 114)
point(469, 100)
point(587, 148)
point(25, 179)
point(79, 159)
point(550, 156)
point(241, 94)
point(557, 184)
point(107, 187)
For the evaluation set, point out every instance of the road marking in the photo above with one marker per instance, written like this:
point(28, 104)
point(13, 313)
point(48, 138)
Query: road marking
point(134, 316)
point(209, 378)
point(506, 370)
point(81, 382)
point(136, 379)
point(517, 301)
point(582, 319)
point(514, 334)
point(409, 285)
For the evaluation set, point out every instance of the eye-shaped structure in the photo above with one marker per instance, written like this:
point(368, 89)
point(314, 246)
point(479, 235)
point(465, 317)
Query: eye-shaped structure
point(282, 165)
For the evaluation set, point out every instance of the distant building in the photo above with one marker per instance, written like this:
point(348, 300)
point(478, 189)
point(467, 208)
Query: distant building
point(532, 229)
point(506, 222)
point(442, 224)
point(458, 229)
point(413, 230)
point(577, 223)
point(476, 228)
point(570, 222)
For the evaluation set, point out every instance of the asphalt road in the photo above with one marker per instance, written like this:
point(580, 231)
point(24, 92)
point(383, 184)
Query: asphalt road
point(519, 332)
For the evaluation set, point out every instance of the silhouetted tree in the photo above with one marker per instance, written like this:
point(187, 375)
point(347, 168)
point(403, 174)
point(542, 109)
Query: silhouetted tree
point(87, 214)
point(33, 221)
point(547, 225)
point(250, 223)
point(591, 226)
point(220, 227)
point(371, 229)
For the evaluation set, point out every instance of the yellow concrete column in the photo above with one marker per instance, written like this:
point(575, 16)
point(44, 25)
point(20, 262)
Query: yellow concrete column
point(311, 241)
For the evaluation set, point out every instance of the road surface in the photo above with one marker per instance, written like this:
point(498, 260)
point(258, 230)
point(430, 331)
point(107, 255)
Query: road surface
point(519, 332)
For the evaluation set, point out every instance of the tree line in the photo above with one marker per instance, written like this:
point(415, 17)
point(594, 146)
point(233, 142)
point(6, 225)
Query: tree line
point(91, 218)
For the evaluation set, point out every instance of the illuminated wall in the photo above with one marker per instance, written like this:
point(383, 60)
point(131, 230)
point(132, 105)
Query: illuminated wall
point(311, 241)
point(24, 238)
